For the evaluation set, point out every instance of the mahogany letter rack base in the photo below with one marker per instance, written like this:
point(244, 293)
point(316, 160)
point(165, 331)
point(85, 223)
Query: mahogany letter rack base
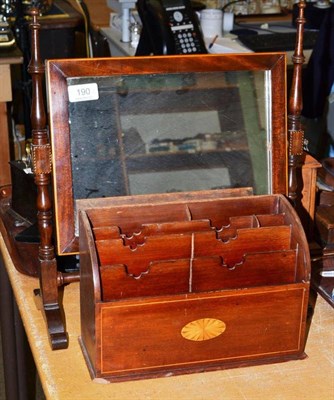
point(200, 283)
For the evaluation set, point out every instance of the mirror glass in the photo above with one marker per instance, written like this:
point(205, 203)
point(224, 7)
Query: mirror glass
point(157, 133)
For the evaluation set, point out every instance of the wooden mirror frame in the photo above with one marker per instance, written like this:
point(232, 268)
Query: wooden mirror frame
point(58, 71)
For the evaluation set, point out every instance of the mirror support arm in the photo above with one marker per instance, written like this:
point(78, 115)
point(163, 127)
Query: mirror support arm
point(295, 105)
point(42, 168)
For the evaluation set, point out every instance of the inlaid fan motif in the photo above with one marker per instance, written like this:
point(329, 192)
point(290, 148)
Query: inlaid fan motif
point(203, 329)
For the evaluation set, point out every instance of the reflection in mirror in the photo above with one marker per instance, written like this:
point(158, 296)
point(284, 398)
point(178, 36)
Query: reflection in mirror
point(159, 133)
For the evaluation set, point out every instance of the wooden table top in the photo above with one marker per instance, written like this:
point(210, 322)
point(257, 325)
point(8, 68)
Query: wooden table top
point(64, 375)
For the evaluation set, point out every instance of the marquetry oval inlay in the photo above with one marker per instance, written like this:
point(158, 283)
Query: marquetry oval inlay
point(203, 329)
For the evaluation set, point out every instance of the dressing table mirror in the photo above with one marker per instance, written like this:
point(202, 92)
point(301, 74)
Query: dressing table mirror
point(154, 129)
point(125, 127)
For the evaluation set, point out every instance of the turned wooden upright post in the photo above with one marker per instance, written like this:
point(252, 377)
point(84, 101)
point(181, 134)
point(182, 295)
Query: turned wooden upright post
point(42, 168)
point(295, 105)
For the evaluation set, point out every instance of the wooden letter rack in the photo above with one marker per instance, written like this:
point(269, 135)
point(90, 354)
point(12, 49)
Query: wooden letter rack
point(192, 284)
